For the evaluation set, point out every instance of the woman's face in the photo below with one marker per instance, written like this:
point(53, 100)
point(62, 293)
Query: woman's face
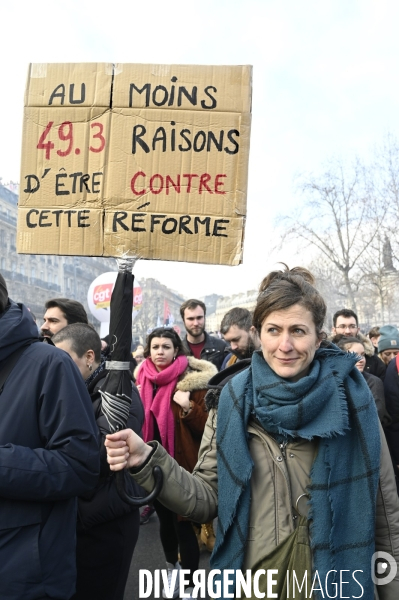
point(162, 352)
point(388, 355)
point(289, 341)
point(358, 349)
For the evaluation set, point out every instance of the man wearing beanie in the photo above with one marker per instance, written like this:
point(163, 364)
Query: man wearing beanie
point(49, 455)
point(388, 344)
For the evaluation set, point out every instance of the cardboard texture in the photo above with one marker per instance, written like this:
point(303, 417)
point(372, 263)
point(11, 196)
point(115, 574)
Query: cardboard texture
point(76, 232)
point(145, 160)
point(174, 236)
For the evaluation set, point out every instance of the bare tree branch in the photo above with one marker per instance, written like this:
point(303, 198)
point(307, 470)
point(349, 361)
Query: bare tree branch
point(341, 216)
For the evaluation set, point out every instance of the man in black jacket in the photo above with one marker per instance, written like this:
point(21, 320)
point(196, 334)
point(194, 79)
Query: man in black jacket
point(198, 342)
point(108, 527)
point(49, 455)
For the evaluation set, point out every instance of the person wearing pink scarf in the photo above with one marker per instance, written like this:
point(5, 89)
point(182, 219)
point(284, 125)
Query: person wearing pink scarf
point(157, 407)
point(172, 388)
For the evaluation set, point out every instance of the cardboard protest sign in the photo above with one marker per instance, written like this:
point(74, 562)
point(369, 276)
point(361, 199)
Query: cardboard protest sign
point(148, 160)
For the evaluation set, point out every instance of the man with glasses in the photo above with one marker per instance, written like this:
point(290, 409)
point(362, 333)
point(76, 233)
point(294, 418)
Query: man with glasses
point(345, 322)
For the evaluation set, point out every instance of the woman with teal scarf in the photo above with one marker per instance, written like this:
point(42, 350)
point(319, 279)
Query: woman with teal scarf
point(296, 469)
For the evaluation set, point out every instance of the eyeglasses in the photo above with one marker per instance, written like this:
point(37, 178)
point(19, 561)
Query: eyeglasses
point(343, 327)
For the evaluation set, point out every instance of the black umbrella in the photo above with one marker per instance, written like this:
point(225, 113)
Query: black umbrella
point(117, 389)
point(116, 393)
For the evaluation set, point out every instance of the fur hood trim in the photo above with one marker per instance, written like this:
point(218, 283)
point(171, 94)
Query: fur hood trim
point(197, 375)
point(368, 344)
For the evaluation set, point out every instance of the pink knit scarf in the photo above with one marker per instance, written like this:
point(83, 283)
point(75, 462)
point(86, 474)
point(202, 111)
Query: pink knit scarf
point(159, 406)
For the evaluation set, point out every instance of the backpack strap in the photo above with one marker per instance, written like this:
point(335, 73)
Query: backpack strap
point(397, 363)
point(9, 364)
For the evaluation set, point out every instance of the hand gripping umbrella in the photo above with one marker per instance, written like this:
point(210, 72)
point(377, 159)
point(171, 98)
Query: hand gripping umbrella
point(116, 392)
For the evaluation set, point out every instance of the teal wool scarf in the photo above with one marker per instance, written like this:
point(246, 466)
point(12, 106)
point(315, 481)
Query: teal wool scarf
point(332, 403)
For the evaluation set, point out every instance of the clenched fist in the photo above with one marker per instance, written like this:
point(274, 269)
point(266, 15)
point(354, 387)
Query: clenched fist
point(125, 449)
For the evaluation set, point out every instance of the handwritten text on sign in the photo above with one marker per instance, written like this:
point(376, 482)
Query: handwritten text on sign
point(124, 158)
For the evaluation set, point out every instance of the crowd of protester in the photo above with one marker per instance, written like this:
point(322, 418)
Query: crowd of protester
point(324, 405)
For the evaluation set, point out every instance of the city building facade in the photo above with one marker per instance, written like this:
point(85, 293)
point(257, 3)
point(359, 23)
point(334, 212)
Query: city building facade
point(160, 306)
point(34, 279)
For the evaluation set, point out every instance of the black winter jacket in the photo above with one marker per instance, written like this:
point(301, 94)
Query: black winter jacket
point(48, 456)
point(375, 366)
point(105, 504)
point(377, 389)
point(391, 389)
point(215, 350)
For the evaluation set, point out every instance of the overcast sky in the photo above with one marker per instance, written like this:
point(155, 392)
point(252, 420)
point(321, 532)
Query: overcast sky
point(325, 83)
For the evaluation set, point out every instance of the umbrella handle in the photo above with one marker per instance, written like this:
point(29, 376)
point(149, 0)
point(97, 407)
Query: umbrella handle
point(134, 500)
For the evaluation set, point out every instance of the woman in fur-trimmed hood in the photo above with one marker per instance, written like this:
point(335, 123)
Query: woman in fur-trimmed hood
point(172, 387)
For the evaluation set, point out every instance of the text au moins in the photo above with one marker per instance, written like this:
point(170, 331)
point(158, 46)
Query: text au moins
point(155, 97)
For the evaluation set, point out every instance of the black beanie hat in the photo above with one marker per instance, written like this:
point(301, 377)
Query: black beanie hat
point(3, 294)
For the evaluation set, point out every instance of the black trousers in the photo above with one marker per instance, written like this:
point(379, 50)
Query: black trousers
point(103, 556)
point(177, 536)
